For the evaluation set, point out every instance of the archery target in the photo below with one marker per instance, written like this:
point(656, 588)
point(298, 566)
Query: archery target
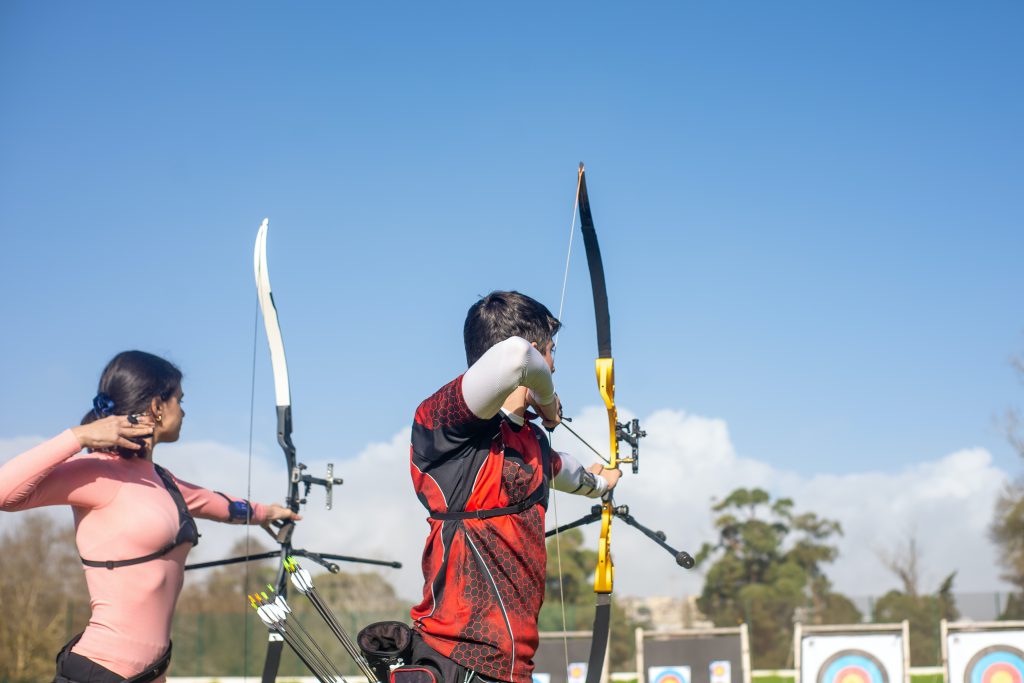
point(852, 658)
point(995, 656)
point(852, 666)
point(541, 678)
point(668, 674)
point(720, 671)
point(577, 672)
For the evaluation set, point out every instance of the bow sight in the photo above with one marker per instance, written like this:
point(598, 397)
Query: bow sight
point(308, 481)
point(631, 433)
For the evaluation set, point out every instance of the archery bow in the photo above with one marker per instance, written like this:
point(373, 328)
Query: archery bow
point(605, 369)
point(296, 476)
point(282, 395)
point(295, 470)
point(630, 432)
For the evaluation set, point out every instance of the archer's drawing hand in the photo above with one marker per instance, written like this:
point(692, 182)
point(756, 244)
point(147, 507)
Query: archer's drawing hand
point(611, 476)
point(114, 431)
point(550, 415)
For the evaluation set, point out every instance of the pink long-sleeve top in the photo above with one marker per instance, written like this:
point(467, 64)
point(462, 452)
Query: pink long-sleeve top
point(122, 511)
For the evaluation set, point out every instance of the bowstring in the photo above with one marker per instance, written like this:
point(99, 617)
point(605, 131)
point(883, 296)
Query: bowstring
point(248, 483)
point(554, 497)
point(568, 253)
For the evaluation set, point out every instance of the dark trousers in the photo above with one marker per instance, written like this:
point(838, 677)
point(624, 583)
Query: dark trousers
point(74, 668)
point(445, 669)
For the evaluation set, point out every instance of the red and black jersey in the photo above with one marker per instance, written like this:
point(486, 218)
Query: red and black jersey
point(483, 575)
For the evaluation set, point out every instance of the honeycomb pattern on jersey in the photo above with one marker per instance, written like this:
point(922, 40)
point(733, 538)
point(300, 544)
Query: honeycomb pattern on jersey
point(518, 572)
point(515, 479)
point(478, 648)
point(446, 407)
point(524, 592)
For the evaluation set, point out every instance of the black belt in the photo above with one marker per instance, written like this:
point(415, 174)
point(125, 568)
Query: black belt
point(538, 495)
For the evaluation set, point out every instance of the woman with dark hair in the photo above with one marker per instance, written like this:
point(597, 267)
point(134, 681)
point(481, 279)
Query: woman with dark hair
point(134, 520)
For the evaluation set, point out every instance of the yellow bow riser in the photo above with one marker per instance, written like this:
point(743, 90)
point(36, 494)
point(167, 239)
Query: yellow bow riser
point(604, 575)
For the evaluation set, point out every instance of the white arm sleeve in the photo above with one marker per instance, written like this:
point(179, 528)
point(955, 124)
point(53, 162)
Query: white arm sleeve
point(573, 478)
point(505, 367)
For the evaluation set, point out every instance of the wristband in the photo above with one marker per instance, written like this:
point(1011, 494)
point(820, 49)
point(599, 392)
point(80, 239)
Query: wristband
point(239, 510)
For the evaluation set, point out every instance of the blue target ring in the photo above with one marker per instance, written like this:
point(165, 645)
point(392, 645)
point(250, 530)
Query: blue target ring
point(671, 676)
point(996, 664)
point(852, 666)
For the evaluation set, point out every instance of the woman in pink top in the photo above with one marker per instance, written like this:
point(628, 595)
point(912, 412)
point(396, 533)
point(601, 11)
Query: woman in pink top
point(133, 519)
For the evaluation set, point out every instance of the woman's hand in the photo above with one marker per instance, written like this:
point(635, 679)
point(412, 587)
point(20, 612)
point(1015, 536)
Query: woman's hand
point(278, 513)
point(114, 431)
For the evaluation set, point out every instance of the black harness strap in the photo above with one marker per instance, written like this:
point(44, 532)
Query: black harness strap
point(187, 530)
point(540, 493)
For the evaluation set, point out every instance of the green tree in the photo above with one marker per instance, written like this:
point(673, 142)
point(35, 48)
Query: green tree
point(766, 565)
point(1007, 528)
point(924, 613)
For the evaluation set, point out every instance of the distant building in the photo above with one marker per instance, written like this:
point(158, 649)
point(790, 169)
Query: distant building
point(665, 613)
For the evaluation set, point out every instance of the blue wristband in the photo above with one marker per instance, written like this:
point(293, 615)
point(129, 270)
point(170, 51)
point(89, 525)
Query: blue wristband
point(239, 510)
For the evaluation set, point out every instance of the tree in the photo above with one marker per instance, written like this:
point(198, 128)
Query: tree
point(1007, 528)
point(923, 611)
point(766, 564)
point(44, 596)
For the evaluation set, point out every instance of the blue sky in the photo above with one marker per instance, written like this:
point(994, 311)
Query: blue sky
point(810, 212)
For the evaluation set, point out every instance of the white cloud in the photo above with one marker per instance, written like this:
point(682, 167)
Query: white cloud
point(686, 461)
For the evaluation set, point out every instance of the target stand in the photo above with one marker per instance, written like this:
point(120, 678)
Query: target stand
point(705, 655)
point(983, 652)
point(561, 657)
point(854, 653)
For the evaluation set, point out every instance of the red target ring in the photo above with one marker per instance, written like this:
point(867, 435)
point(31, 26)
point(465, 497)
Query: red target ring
point(996, 664)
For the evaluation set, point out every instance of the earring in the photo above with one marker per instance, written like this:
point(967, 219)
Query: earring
point(159, 418)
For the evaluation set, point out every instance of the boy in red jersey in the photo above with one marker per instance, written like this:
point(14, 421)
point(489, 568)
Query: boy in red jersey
point(482, 469)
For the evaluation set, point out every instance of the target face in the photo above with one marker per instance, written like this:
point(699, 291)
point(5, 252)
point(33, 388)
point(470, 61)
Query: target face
point(577, 672)
point(853, 666)
point(996, 664)
point(668, 674)
point(720, 671)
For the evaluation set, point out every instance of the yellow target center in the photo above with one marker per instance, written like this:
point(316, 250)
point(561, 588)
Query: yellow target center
point(1002, 676)
point(855, 677)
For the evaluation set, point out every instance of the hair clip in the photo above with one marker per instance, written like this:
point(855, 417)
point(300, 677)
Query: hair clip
point(103, 405)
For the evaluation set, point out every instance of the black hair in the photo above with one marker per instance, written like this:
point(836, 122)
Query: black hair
point(129, 383)
point(501, 315)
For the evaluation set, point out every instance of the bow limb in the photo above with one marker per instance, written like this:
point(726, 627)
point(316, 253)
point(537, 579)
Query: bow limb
point(282, 394)
point(279, 363)
point(604, 574)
